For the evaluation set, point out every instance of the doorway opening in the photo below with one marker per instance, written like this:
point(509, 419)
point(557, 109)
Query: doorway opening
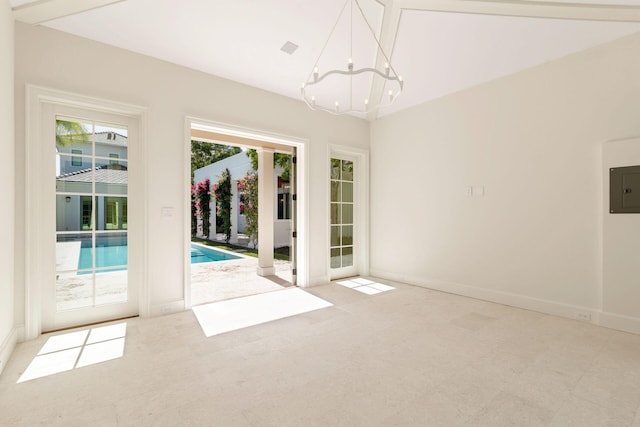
point(243, 227)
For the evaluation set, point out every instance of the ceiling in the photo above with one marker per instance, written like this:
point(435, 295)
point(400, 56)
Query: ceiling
point(438, 46)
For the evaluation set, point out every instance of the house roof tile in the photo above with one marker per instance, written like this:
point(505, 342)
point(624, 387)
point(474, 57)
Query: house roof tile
point(107, 174)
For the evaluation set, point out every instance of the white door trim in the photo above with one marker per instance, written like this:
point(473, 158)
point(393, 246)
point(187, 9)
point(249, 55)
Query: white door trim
point(302, 257)
point(361, 199)
point(36, 98)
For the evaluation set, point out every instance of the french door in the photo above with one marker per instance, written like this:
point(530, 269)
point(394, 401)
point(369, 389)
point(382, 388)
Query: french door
point(343, 213)
point(91, 224)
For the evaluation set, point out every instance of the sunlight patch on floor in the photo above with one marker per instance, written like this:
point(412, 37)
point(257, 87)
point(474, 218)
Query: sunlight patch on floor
point(365, 286)
point(70, 350)
point(225, 316)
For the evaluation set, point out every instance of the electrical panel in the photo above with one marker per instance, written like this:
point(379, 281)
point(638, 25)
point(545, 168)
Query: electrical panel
point(624, 189)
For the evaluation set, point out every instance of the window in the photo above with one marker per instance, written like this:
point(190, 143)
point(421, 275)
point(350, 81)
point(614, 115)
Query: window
point(115, 213)
point(284, 199)
point(284, 206)
point(76, 160)
point(113, 159)
point(86, 203)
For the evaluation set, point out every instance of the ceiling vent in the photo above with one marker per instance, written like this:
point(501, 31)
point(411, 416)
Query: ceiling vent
point(289, 47)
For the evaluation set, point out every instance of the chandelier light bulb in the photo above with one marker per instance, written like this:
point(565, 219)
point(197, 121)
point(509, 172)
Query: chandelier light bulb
point(350, 64)
point(313, 99)
point(391, 95)
point(337, 106)
point(366, 102)
point(315, 73)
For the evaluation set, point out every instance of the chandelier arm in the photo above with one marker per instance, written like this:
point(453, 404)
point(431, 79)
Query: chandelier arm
point(354, 72)
point(317, 107)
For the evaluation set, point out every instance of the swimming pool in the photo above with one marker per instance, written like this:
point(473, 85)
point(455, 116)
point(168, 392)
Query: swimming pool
point(112, 253)
point(200, 253)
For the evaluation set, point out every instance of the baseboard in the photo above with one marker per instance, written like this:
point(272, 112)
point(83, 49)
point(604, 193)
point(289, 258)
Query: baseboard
point(317, 280)
point(585, 314)
point(620, 322)
point(7, 347)
point(168, 308)
point(20, 331)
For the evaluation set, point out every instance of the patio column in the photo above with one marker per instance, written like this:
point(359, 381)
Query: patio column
point(235, 211)
point(265, 212)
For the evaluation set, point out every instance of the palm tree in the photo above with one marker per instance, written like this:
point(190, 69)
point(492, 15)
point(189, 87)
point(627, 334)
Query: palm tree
point(70, 133)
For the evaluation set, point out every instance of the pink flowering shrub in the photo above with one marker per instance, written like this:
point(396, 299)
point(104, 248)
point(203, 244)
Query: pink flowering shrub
point(248, 191)
point(222, 192)
point(203, 205)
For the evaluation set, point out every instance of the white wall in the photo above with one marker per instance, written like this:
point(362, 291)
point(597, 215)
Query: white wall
point(533, 140)
point(7, 331)
point(45, 57)
point(239, 165)
point(281, 232)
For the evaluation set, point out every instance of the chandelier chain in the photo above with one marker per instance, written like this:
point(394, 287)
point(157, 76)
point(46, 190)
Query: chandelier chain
point(375, 38)
point(351, 57)
point(327, 41)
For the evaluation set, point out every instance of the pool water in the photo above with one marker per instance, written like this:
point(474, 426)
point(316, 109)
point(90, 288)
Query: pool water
point(110, 252)
point(116, 254)
point(205, 254)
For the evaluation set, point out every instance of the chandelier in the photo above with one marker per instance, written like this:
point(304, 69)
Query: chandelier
point(345, 88)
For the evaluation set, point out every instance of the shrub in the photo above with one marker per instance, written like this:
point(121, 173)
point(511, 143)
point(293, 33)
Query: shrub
point(248, 190)
point(222, 192)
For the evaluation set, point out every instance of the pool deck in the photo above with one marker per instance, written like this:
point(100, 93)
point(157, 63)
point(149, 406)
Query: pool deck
point(76, 290)
point(67, 255)
point(212, 281)
point(221, 280)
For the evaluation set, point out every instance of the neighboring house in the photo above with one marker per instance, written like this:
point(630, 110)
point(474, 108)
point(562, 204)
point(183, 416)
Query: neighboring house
point(75, 174)
point(239, 165)
point(111, 145)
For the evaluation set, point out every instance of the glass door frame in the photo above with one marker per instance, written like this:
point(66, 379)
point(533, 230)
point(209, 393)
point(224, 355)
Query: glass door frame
point(43, 104)
point(360, 159)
